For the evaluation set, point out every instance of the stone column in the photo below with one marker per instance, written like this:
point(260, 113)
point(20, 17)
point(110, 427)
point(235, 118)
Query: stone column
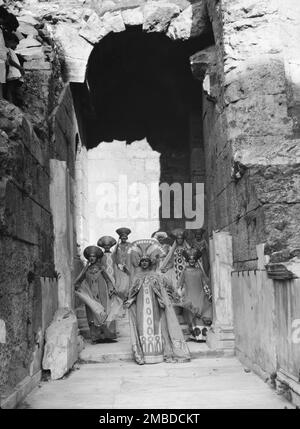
point(221, 335)
point(63, 228)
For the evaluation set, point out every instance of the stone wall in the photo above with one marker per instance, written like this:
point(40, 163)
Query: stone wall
point(26, 240)
point(30, 137)
point(250, 127)
point(267, 330)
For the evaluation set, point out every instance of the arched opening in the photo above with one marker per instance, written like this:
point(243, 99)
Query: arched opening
point(139, 116)
point(139, 100)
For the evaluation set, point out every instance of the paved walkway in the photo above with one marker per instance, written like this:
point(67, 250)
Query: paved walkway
point(107, 378)
point(201, 383)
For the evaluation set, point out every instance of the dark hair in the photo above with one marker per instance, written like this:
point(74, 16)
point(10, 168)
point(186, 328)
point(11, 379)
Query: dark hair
point(145, 258)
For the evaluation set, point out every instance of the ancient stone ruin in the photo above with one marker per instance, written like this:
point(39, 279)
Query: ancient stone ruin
point(213, 87)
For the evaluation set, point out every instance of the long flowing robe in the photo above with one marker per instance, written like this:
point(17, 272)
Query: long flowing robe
point(174, 263)
point(121, 257)
point(97, 285)
point(154, 329)
point(108, 263)
point(195, 300)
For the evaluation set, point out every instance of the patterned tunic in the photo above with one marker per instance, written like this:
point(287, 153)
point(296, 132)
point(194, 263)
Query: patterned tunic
point(155, 332)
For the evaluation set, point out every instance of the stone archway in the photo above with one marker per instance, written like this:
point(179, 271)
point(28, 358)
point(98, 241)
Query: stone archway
point(178, 20)
point(185, 22)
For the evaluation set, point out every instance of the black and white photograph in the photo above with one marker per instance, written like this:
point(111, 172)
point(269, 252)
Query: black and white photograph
point(149, 208)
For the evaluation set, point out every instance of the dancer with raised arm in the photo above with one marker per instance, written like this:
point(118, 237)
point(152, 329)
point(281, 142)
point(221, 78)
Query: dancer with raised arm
point(155, 332)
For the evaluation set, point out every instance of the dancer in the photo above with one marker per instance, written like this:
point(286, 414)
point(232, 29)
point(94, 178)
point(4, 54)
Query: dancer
point(95, 288)
point(122, 267)
point(107, 242)
point(199, 242)
point(155, 332)
point(161, 237)
point(174, 263)
point(195, 296)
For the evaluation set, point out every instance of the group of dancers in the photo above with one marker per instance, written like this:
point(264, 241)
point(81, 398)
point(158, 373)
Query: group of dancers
point(151, 278)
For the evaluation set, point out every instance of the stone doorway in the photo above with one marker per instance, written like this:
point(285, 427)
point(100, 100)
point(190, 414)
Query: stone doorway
point(139, 117)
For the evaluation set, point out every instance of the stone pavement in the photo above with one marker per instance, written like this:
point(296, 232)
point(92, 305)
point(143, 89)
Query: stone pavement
point(201, 383)
point(107, 378)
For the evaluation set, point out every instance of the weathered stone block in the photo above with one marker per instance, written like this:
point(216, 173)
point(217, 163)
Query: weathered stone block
point(113, 21)
point(181, 26)
point(28, 19)
point(265, 150)
point(30, 53)
point(276, 183)
point(61, 348)
point(281, 226)
point(2, 332)
point(92, 30)
point(157, 16)
point(191, 22)
point(29, 42)
point(259, 114)
point(27, 29)
point(133, 16)
point(96, 28)
point(76, 51)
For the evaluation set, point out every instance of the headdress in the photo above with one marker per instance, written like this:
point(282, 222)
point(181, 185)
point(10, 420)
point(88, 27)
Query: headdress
point(158, 234)
point(199, 230)
point(147, 249)
point(92, 250)
point(187, 253)
point(106, 240)
point(178, 232)
point(123, 231)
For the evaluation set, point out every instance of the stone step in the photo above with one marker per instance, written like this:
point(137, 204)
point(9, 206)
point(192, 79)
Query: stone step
point(122, 330)
point(121, 351)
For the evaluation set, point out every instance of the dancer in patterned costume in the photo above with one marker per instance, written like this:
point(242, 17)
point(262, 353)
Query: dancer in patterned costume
point(155, 333)
point(174, 263)
point(107, 242)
